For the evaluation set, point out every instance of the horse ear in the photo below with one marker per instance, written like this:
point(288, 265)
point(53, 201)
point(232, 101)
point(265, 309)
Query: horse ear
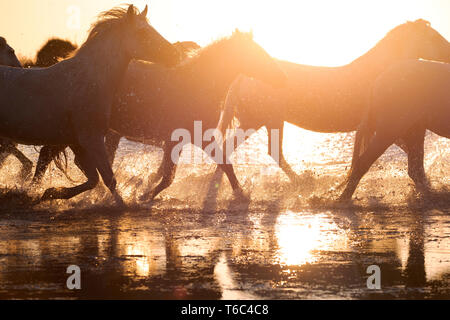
point(130, 12)
point(144, 12)
point(423, 22)
point(2, 42)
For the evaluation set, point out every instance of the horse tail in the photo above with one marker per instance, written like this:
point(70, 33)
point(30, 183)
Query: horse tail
point(229, 108)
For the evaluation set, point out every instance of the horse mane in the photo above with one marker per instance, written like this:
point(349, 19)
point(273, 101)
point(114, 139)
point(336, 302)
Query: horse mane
point(208, 54)
point(396, 34)
point(106, 20)
point(187, 48)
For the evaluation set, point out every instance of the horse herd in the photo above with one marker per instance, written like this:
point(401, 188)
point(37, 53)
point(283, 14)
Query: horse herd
point(106, 90)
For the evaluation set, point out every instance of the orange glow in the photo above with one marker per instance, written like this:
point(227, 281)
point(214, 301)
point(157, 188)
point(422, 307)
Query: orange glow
point(322, 32)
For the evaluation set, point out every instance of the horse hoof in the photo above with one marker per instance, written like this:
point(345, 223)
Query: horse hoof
point(119, 201)
point(240, 194)
point(49, 194)
point(343, 199)
point(147, 197)
point(423, 192)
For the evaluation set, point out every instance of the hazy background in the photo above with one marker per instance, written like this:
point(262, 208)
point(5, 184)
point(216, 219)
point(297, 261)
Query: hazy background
point(320, 32)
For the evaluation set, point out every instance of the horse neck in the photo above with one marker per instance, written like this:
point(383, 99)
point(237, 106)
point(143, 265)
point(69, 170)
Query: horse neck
point(337, 94)
point(372, 63)
point(103, 61)
point(213, 75)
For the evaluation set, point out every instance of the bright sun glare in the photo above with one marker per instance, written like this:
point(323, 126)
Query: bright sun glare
point(320, 32)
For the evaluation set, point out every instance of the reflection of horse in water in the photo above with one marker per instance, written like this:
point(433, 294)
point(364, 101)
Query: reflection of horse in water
point(50, 53)
point(69, 103)
point(407, 99)
point(328, 99)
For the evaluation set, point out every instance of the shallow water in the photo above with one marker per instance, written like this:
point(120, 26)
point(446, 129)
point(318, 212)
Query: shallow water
point(197, 241)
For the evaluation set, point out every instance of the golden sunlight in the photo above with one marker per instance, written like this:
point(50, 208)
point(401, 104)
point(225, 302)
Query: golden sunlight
point(321, 32)
point(300, 237)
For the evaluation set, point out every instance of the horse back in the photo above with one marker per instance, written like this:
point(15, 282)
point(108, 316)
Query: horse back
point(409, 93)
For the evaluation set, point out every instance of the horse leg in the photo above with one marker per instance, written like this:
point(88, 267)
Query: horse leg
point(168, 168)
point(156, 176)
point(89, 169)
point(27, 165)
point(95, 148)
point(361, 165)
point(46, 155)
point(414, 143)
point(112, 140)
point(284, 165)
point(4, 152)
point(7, 147)
point(227, 167)
point(90, 153)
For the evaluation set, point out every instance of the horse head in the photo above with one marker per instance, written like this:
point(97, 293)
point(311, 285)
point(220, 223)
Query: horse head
point(254, 61)
point(145, 43)
point(418, 40)
point(7, 55)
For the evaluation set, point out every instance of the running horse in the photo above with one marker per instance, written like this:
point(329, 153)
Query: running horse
point(50, 53)
point(69, 103)
point(7, 147)
point(407, 99)
point(154, 101)
point(332, 99)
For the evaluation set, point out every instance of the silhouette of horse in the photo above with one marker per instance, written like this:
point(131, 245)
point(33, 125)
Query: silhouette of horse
point(49, 153)
point(53, 51)
point(176, 98)
point(330, 99)
point(154, 101)
point(407, 99)
point(69, 103)
point(50, 53)
point(7, 55)
point(7, 147)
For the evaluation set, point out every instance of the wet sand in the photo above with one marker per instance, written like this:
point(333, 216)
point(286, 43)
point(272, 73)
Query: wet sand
point(197, 242)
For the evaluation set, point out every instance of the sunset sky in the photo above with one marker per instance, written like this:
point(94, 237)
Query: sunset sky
point(319, 32)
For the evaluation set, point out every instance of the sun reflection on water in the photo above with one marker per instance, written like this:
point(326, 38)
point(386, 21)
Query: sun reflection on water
point(300, 237)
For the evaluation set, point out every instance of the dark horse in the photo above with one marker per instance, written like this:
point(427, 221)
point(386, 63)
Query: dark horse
point(50, 53)
point(49, 153)
point(7, 147)
point(7, 55)
point(407, 99)
point(69, 103)
point(331, 99)
point(53, 51)
point(154, 101)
